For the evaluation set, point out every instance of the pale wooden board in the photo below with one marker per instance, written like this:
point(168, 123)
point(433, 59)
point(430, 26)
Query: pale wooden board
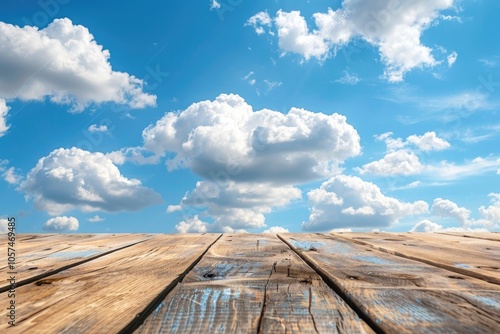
point(493, 236)
point(474, 257)
point(107, 293)
point(398, 294)
point(40, 255)
point(248, 284)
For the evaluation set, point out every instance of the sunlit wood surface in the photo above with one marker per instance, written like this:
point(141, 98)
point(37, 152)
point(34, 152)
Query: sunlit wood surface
point(254, 283)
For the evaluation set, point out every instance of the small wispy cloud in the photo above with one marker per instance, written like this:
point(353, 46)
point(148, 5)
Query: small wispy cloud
point(249, 78)
point(452, 58)
point(98, 128)
point(489, 61)
point(95, 219)
point(348, 79)
point(214, 5)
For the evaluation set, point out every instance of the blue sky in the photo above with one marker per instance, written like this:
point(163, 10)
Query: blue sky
point(249, 116)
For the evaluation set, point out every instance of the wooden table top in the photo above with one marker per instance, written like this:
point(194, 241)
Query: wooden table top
point(252, 283)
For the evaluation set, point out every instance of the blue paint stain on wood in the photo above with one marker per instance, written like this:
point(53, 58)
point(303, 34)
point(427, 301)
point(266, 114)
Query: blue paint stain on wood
point(371, 259)
point(463, 266)
point(487, 301)
point(306, 245)
point(73, 254)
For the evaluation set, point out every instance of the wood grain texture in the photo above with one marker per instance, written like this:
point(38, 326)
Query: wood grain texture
point(252, 284)
point(493, 236)
point(398, 294)
point(107, 293)
point(41, 255)
point(467, 256)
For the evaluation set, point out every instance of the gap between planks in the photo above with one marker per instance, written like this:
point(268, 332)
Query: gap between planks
point(486, 278)
point(139, 318)
point(335, 287)
point(68, 266)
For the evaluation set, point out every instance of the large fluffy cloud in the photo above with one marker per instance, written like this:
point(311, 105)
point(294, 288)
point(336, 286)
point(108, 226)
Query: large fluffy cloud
point(69, 179)
point(448, 209)
point(491, 214)
point(225, 138)
point(249, 160)
point(348, 201)
point(61, 224)
point(64, 63)
point(394, 27)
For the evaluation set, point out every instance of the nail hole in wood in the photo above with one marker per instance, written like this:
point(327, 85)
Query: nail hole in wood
point(210, 275)
point(39, 283)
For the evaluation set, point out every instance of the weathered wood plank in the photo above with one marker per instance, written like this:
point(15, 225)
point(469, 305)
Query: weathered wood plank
point(106, 294)
point(39, 256)
point(401, 295)
point(493, 236)
point(472, 257)
point(252, 284)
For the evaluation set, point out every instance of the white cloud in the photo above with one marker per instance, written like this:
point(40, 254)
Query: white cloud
point(4, 109)
point(394, 27)
point(356, 204)
point(11, 176)
point(214, 5)
point(447, 171)
point(96, 128)
point(276, 229)
point(193, 225)
point(64, 63)
point(247, 78)
point(428, 226)
point(446, 208)
point(428, 142)
point(226, 139)
point(272, 85)
point(402, 162)
point(391, 143)
point(238, 205)
point(452, 58)
point(173, 208)
point(3, 225)
point(294, 36)
point(451, 18)
point(249, 160)
point(348, 79)
point(70, 179)
point(258, 20)
point(489, 61)
point(469, 101)
point(492, 213)
point(95, 219)
point(60, 224)
point(137, 155)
